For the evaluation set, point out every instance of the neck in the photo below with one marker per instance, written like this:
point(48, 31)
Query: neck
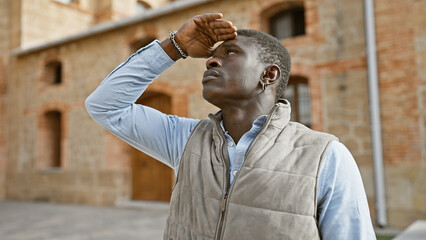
point(238, 119)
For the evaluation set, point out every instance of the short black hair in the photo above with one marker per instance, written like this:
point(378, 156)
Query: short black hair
point(271, 51)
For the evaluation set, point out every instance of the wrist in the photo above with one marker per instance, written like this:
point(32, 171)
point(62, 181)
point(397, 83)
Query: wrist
point(168, 47)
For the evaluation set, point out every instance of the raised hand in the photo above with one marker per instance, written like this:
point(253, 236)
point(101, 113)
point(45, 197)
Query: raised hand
point(198, 35)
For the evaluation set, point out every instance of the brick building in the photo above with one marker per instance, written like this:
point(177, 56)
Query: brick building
point(53, 54)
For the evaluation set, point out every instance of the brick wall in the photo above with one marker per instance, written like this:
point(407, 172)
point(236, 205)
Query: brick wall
point(401, 41)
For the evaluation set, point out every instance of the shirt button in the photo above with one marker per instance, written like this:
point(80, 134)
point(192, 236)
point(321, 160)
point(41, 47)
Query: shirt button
point(231, 144)
point(234, 173)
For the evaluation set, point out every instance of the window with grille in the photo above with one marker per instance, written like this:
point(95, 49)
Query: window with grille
point(298, 94)
point(288, 23)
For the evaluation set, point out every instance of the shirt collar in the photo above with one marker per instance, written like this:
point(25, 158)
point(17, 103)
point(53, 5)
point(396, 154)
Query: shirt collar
point(257, 124)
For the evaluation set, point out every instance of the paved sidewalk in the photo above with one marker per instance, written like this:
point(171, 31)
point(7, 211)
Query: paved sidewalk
point(50, 221)
point(416, 231)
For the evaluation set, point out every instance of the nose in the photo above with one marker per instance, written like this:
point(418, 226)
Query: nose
point(213, 62)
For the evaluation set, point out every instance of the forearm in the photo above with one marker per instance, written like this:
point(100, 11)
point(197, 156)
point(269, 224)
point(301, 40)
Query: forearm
point(123, 86)
point(113, 106)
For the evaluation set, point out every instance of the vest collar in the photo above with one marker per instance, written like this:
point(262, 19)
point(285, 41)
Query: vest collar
point(279, 116)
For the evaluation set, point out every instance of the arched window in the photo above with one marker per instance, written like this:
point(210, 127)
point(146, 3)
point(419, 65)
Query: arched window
point(53, 73)
point(298, 94)
point(49, 140)
point(288, 23)
point(136, 45)
point(142, 6)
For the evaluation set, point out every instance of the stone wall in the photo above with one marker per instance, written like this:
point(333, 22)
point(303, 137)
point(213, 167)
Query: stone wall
point(83, 177)
point(47, 20)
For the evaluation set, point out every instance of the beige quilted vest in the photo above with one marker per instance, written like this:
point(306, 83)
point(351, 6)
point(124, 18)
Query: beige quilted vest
point(272, 197)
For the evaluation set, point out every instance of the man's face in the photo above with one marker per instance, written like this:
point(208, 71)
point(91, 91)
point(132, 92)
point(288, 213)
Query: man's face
point(233, 72)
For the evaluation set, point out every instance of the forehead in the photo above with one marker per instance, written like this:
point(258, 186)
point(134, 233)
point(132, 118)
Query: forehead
point(242, 42)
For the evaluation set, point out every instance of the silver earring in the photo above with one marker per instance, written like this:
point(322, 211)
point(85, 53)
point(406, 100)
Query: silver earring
point(263, 85)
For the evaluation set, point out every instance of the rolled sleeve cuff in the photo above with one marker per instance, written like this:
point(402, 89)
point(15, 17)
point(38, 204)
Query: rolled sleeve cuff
point(155, 57)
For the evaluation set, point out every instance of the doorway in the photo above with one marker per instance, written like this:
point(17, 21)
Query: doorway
point(151, 179)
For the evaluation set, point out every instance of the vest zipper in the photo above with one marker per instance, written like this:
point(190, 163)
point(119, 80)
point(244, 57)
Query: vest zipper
point(221, 229)
point(222, 214)
point(226, 185)
point(221, 218)
point(224, 202)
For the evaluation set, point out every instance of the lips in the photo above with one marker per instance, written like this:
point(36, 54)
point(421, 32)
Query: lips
point(211, 73)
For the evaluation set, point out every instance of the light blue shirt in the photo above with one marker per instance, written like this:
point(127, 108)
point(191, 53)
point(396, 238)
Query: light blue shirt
point(343, 211)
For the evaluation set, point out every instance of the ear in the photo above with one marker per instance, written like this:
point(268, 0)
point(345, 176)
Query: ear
point(271, 74)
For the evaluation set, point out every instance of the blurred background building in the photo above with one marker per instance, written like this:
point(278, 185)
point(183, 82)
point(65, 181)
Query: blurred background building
point(54, 53)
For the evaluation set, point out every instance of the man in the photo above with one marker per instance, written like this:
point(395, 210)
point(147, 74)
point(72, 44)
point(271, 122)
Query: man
point(247, 172)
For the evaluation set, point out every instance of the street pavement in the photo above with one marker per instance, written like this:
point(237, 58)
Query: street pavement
point(129, 221)
point(52, 221)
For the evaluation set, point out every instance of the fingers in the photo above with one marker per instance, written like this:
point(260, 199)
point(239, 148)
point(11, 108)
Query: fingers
point(208, 17)
point(225, 33)
point(221, 31)
point(214, 27)
point(199, 34)
point(220, 23)
point(215, 23)
point(225, 37)
point(222, 27)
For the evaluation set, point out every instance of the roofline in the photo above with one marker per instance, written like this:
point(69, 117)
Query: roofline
point(109, 26)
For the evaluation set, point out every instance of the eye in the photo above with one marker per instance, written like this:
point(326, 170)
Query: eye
point(231, 52)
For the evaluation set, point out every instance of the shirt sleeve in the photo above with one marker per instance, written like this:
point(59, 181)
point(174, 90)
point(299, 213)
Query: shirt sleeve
point(112, 105)
point(343, 211)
